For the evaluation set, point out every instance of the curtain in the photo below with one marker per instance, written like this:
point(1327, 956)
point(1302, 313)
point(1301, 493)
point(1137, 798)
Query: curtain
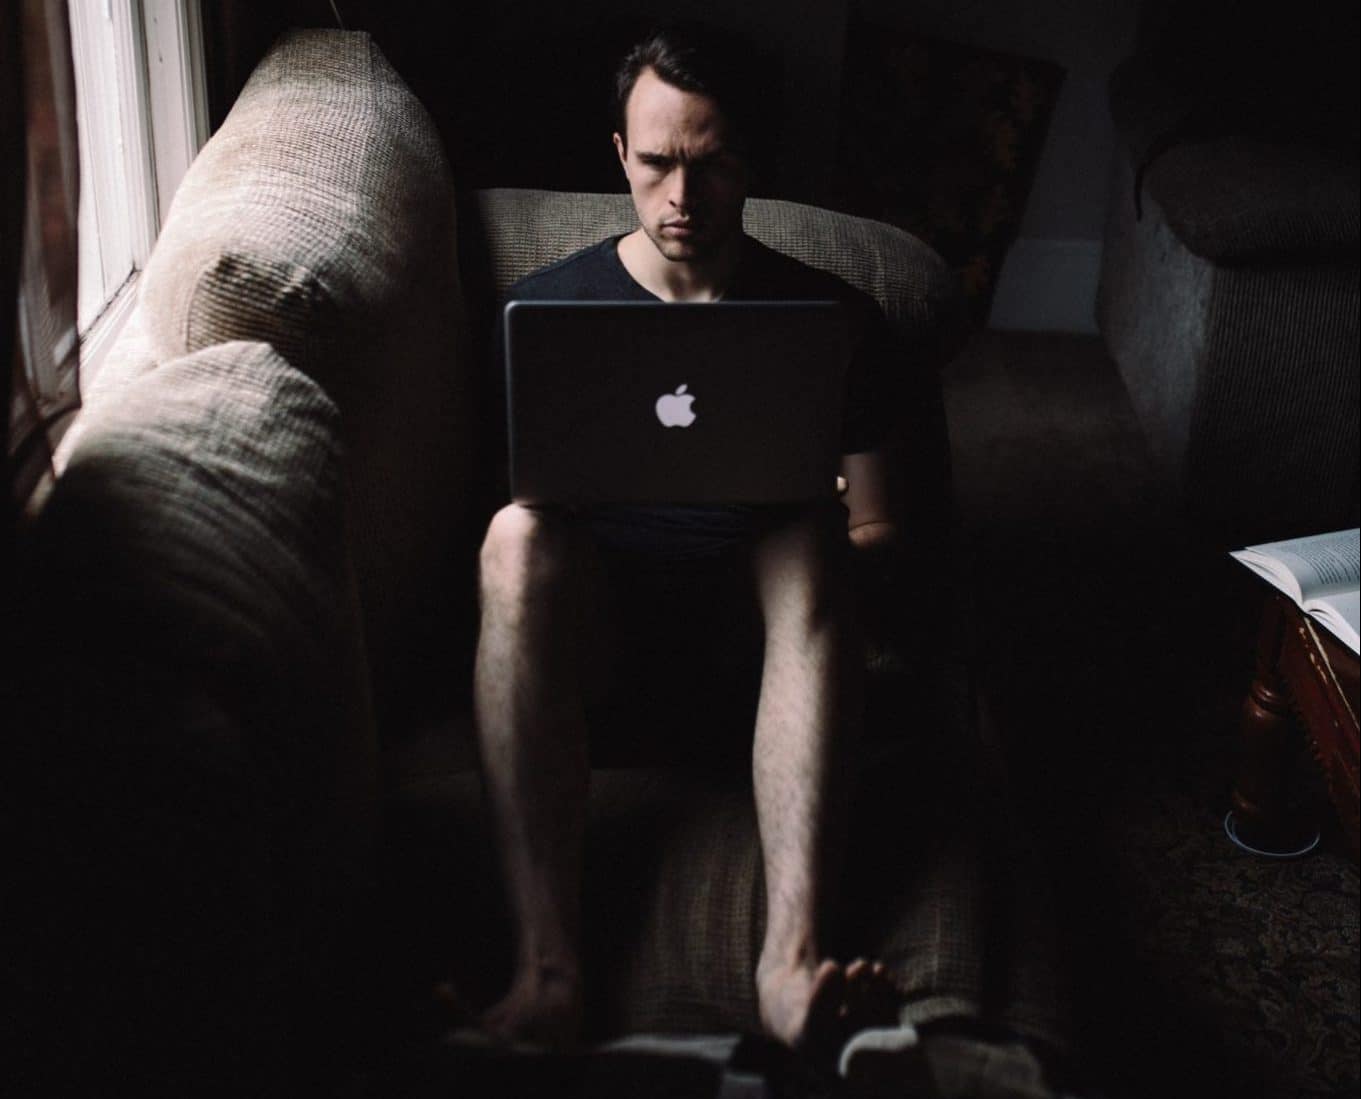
point(41, 181)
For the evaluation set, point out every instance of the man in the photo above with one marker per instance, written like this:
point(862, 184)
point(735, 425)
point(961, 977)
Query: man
point(683, 141)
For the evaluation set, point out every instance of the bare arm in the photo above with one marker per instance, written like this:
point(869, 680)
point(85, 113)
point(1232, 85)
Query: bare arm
point(874, 499)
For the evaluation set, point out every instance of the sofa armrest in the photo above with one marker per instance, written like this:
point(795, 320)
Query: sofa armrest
point(320, 219)
point(200, 749)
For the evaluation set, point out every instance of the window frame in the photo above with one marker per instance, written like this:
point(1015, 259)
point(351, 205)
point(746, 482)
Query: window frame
point(160, 80)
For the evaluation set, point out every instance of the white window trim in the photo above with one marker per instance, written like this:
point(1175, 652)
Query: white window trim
point(176, 90)
point(139, 158)
point(104, 331)
point(112, 134)
point(166, 88)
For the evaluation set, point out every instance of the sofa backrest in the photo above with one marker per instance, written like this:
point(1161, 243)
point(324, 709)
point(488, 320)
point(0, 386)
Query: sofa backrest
point(525, 229)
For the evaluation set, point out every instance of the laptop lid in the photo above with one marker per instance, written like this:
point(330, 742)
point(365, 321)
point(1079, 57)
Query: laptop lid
point(681, 403)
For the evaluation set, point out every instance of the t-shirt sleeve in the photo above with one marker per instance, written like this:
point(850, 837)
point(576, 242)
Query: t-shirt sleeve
point(871, 419)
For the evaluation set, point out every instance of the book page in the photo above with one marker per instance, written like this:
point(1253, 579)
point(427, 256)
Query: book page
point(1318, 564)
point(1341, 613)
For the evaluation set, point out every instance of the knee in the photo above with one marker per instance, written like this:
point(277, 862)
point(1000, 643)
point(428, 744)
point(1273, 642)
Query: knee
point(801, 568)
point(525, 551)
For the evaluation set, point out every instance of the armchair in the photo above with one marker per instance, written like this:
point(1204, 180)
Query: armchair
point(267, 521)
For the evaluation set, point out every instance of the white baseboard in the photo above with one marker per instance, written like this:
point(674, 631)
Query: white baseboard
point(1048, 286)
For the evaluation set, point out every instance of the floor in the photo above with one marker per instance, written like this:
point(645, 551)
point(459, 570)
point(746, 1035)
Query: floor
point(1116, 643)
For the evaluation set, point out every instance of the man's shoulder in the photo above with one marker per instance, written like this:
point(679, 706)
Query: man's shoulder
point(578, 275)
point(782, 275)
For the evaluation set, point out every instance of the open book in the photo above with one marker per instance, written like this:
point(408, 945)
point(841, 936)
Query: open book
point(1321, 573)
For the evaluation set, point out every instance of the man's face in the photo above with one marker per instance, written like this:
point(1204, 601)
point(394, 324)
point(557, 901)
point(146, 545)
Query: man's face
point(687, 179)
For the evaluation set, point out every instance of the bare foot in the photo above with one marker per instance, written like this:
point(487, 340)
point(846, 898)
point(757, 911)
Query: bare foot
point(806, 1007)
point(800, 1005)
point(543, 1010)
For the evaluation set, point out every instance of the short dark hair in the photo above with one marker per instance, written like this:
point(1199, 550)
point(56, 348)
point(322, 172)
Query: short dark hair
point(695, 58)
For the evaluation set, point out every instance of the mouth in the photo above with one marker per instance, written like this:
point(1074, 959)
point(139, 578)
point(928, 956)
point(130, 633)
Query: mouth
point(680, 228)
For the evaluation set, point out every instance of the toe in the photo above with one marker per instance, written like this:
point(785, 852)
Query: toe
point(825, 970)
point(871, 998)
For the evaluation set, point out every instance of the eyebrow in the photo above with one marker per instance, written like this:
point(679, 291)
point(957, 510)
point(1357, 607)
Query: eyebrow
point(669, 158)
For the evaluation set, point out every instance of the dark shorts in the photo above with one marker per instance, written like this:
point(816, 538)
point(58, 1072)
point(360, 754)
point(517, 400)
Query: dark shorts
point(684, 632)
point(695, 611)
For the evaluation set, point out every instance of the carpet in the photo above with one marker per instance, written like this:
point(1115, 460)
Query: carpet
point(1116, 647)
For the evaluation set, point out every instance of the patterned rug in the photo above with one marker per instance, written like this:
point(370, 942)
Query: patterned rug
point(1261, 953)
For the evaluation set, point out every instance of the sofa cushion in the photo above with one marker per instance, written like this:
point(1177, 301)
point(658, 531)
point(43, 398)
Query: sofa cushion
point(199, 530)
point(128, 359)
point(205, 748)
point(674, 895)
point(319, 219)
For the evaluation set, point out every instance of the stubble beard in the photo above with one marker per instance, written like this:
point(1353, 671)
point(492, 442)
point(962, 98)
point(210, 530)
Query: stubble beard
point(704, 245)
point(677, 251)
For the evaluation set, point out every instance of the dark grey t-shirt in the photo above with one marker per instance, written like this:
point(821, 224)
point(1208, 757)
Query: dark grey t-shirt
point(674, 532)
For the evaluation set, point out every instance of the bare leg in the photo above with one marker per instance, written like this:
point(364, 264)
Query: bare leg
point(806, 722)
point(531, 727)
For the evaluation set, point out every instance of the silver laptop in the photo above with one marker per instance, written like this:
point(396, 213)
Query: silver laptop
point(671, 403)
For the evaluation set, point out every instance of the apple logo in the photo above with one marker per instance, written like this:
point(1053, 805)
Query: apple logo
point(673, 409)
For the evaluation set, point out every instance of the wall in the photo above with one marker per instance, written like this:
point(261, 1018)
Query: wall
point(463, 61)
point(1049, 279)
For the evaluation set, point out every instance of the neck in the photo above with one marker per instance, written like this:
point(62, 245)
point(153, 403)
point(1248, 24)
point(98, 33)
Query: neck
point(680, 280)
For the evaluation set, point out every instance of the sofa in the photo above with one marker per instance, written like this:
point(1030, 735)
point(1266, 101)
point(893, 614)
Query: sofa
point(255, 831)
point(1229, 294)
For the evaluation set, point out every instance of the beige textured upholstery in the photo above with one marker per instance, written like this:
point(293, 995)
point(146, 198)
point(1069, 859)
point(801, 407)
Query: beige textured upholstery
point(209, 745)
point(674, 895)
point(529, 228)
point(128, 359)
point(209, 505)
point(319, 219)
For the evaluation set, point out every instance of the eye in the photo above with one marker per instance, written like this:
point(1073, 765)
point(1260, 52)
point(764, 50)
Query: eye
point(723, 163)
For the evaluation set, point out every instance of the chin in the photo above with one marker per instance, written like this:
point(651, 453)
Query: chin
point(678, 252)
point(682, 250)
point(674, 249)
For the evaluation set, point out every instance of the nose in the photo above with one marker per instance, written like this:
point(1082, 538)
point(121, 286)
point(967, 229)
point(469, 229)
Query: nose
point(682, 188)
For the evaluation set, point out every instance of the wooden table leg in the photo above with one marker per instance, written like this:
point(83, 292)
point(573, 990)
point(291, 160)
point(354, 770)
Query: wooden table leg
point(1271, 742)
